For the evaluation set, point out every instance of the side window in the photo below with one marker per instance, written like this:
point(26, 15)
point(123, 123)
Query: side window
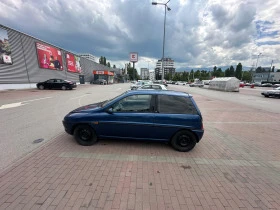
point(50, 81)
point(175, 105)
point(134, 103)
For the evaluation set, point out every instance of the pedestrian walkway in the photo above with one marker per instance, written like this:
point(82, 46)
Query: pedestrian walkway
point(235, 166)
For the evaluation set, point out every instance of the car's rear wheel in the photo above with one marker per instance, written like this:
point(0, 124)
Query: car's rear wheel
point(183, 141)
point(41, 87)
point(85, 135)
point(63, 87)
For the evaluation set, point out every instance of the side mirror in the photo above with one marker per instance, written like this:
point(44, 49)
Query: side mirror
point(110, 110)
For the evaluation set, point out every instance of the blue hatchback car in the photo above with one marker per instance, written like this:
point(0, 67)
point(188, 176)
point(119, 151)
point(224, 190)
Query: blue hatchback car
point(153, 115)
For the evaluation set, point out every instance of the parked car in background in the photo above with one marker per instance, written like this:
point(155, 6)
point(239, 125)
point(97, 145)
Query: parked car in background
point(99, 81)
point(160, 82)
point(153, 115)
point(153, 87)
point(180, 83)
point(136, 85)
point(56, 84)
point(257, 84)
point(242, 84)
point(266, 85)
point(272, 93)
point(275, 85)
point(196, 84)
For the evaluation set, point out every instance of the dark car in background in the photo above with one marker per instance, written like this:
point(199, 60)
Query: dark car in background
point(56, 84)
point(99, 81)
point(153, 115)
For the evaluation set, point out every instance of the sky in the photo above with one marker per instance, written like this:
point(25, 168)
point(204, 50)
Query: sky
point(198, 33)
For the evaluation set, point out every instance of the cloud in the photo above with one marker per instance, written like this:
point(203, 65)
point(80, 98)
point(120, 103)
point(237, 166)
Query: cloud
point(198, 33)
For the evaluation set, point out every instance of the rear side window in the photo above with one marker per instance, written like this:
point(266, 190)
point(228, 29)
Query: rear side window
point(175, 105)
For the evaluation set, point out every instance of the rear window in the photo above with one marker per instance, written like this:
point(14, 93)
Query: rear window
point(175, 105)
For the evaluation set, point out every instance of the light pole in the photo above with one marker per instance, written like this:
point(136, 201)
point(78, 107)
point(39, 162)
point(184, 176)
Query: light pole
point(165, 7)
point(258, 60)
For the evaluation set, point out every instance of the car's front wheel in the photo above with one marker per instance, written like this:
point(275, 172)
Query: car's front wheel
point(63, 87)
point(183, 141)
point(85, 135)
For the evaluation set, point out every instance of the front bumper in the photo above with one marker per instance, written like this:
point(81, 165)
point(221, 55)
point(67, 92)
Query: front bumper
point(68, 127)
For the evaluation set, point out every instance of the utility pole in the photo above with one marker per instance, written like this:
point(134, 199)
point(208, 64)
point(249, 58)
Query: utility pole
point(269, 71)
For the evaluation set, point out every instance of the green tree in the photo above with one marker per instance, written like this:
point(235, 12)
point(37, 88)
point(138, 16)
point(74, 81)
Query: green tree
point(246, 76)
point(108, 64)
point(176, 77)
point(238, 71)
point(231, 71)
point(227, 73)
point(184, 76)
point(132, 72)
point(101, 59)
point(114, 66)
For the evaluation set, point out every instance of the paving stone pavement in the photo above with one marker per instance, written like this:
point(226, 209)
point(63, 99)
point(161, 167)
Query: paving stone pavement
point(235, 166)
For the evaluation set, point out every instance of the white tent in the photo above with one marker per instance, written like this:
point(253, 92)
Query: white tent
point(230, 84)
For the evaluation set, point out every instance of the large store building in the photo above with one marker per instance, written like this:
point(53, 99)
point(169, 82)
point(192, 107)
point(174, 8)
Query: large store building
point(25, 60)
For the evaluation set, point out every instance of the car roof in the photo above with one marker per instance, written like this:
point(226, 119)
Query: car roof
point(158, 92)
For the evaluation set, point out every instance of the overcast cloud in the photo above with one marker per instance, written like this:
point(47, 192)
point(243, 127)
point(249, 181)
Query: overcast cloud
point(199, 33)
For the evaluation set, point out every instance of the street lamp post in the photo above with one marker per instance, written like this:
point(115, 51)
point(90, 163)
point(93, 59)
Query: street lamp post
point(258, 60)
point(162, 60)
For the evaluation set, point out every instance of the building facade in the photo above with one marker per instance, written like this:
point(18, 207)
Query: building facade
point(266, 76)
point(144, 73)
point(152, 75)
point(28, 60)
point(168, 66)
point(87, 56)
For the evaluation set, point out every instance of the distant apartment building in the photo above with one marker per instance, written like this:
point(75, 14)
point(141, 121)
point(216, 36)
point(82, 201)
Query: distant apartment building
point(144, 73)
point(152, 75)
point(168, 66)
point(87, 56)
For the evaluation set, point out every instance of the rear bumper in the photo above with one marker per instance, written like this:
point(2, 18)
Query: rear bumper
point(199, 134)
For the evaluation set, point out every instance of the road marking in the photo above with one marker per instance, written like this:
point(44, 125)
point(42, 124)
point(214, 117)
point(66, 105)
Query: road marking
point(79, 96)
point(35, 99)
point(18, 104)
point(13, 105)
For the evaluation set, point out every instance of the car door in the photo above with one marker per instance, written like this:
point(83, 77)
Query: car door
point(57, 83)
point(49, 84)
point(131, 118)
point(174, 113)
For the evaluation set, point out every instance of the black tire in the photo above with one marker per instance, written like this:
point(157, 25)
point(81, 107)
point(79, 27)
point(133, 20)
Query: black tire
point(41, 87)
point(183, 141)
point(266, 96)
point(63, 88)
point(85, 135)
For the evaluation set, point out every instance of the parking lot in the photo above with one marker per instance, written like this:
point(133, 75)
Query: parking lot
point(236, 165)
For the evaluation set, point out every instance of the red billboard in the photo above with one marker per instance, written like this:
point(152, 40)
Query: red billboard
point(49, 57)
point(5, 48)
point(73, 63)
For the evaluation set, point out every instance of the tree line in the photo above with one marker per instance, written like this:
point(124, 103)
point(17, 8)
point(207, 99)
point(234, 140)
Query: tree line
point(210, 74)
point(103, 61)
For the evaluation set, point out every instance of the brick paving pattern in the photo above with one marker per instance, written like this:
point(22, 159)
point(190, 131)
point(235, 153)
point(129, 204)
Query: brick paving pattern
point(235, 166)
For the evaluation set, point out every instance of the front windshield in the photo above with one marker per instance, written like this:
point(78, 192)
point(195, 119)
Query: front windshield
point(110, 100)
